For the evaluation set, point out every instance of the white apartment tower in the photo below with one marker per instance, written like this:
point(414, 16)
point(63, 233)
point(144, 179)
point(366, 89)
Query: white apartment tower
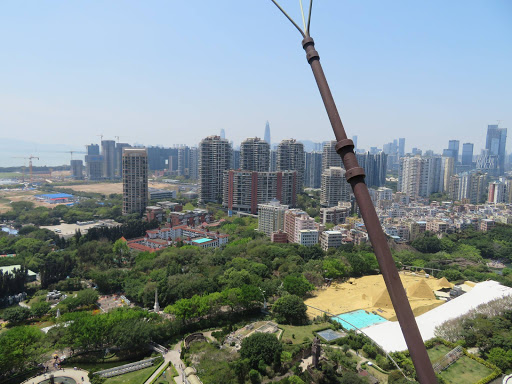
point(334, 187)
point(271, 217)
point(214, 159)
point(417, 176)
point(135, 180)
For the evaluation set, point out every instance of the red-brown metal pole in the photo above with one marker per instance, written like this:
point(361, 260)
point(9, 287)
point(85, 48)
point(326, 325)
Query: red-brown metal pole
point(355, 176)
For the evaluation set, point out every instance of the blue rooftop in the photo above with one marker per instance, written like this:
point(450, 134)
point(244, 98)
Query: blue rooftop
point(200, 241)
point(55, 196)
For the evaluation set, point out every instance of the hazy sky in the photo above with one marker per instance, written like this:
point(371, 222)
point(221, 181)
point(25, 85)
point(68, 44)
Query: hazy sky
point(169, 72)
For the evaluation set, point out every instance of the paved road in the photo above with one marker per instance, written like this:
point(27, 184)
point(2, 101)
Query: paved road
point(67, 372)
point(172, 357)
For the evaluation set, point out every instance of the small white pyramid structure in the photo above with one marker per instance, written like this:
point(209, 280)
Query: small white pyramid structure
point(156, 307)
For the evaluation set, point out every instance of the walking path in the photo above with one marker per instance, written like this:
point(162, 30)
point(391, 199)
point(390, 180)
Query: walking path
point(77, 375)
point(172, 357)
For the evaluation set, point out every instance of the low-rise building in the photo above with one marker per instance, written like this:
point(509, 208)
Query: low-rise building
point(330, 239)
point(487, 224)
point(308, 237)
point(154, 213)
point(337, 214)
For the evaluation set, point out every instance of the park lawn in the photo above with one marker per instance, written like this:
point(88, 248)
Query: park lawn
point(383, 378)
point(168, 378)
point(438, 351)
point(137, 377)
point(465, 371)
point(301, 332)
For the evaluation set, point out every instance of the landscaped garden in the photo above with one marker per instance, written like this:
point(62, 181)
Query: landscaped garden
point(302, 333)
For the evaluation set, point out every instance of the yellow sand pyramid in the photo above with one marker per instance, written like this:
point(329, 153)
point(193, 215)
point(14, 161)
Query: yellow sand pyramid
point(420, 290)
point(383, 300)
point(443, 283)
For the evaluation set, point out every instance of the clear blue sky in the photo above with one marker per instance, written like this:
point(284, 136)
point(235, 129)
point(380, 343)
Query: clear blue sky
point(169, 72)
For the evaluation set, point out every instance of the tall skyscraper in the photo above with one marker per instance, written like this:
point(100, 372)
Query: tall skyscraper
point(375, 167)
point(354, 139)
point(183, 161)
point(495, 144)
point(194, 163)
point(214, 158)
point(313, 171)
point(93, 162)
point(267, 133)
point(254, 155)
point(222, 134)
point(401, 147)
point(119, 158)
point(290, 157)
point(334, 187)
point(416, 176)
point(330, 157)
point(467, 154)
point(452, 150)
point(135, 180)
point(273, 160)
point(77, 169)
point(108, 151)
point(235, 158)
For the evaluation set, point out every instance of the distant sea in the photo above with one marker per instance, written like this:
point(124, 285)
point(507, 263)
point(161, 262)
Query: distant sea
point(49, 154)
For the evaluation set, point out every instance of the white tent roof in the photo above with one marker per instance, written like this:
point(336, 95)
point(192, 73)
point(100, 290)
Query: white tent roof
point(389, 334)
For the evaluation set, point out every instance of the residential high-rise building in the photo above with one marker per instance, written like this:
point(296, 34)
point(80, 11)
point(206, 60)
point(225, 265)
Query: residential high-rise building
point(160, 158)
point(334, 187)
point(235, 158)
point(135, 180)
point(108, 151)
point(469, 186)
point(290, 157)
point(93, 149)
point(375, 167)
point(499, 191)
point(194, 163)
point(77, 169)
point(93, 163)
point(183, 161)
point(448, 166)
point(214, 159)
point(313, 171)
point(119, 158)
point(273, 160)
point(401, 147)
point(495, 144)
point(244, 190)
point(417, 176)
point(267, 133)
point(254, 155)
point(467, 154)
point(271, 217)
point(330, 157)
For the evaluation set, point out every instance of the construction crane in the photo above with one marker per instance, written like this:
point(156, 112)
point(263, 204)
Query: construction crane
point(29, 165)
point(101, 137)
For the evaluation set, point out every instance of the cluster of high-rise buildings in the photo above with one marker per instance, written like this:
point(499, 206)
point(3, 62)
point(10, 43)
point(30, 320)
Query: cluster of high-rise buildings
point(460, 176)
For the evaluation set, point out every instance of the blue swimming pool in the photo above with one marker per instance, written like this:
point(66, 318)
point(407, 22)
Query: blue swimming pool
point(359, 319)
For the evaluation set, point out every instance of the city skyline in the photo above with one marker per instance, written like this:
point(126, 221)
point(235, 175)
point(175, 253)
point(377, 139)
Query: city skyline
point(115, 79)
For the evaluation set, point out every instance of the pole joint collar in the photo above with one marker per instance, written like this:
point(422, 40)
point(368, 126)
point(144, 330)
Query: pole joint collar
point(353, 172)
point(343, 144)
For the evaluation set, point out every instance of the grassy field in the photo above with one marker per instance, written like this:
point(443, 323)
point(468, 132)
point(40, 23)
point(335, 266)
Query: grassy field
point(437, 352)
point(137, 377)
point(301, 332)
point(170, 372)
point(465, 371)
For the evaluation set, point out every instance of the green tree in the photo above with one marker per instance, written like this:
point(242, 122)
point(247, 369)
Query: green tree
point(334, 268)
point(298, 285)
point(40, 309)
point(260, 346)
point(501, 358)
point(290, 309)
point(16, 315)
point(19, 348)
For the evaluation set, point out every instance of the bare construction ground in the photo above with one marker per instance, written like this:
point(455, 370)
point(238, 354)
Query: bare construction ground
point(370, 293)
point(108, 188)
point(6, 196)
